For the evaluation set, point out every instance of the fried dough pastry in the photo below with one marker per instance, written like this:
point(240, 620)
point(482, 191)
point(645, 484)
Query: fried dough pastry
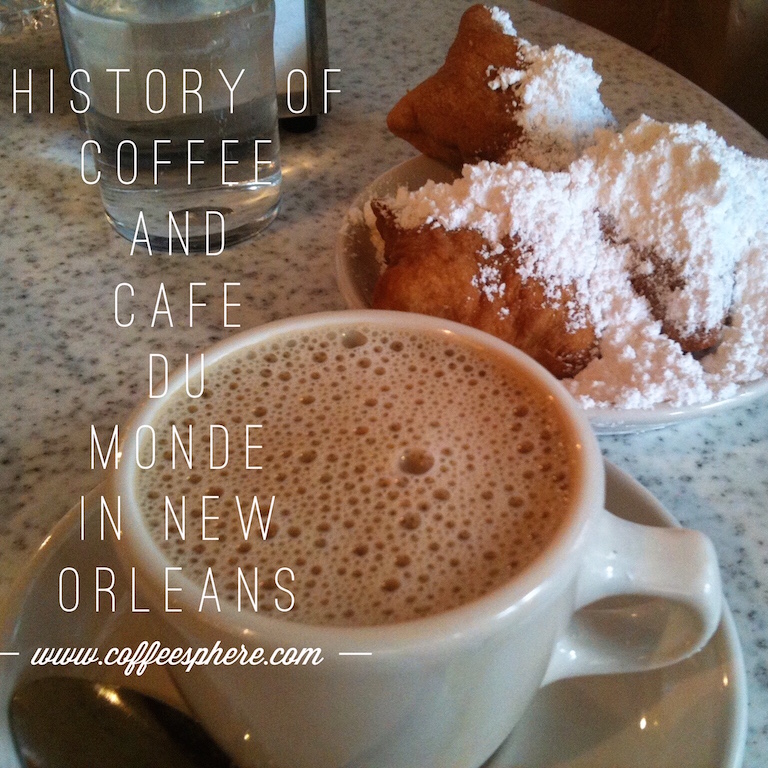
point(657, 285)
point(453, 274)
point(454, 116)
point(657, 279)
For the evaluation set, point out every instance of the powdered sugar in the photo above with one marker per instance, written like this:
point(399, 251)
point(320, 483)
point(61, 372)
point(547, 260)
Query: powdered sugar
point(682, 193)
point(675, 191)
point(502, 78)
point(638, 366)
point(743, 352)
point(557, 97)
point(488, 280)
point(502, 18)
point(550, 216)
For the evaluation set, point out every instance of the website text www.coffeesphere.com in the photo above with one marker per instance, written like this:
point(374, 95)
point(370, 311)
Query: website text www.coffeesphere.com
point(136, 661)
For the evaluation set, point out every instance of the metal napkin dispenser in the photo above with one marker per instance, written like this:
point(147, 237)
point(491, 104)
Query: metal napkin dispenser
point(301, 57)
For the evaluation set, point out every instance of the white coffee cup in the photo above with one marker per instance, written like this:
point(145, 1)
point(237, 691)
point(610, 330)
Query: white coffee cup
point(447, 689)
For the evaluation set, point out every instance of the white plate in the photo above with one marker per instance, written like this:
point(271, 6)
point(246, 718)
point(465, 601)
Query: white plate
point(689, 715)
point(357, 270)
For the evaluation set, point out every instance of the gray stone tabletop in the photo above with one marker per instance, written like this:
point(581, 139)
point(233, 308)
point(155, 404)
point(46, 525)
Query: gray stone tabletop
point(65, 365)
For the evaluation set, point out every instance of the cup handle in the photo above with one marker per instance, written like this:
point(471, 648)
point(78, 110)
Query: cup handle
point(624, 558)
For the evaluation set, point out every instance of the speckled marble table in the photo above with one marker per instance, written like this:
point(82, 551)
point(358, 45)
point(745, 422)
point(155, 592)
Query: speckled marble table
point(65, 365)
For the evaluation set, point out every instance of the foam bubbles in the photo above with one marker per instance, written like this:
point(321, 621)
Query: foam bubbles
point(410, 474)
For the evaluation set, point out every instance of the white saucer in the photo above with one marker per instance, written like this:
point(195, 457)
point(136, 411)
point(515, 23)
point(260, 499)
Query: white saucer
point(357, 271)
point(690, 715)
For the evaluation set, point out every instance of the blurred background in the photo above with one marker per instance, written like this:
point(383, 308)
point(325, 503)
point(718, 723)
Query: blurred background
point(721, 45)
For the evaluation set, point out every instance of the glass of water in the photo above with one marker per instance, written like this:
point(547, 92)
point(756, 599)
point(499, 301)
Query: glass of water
point(178, 100)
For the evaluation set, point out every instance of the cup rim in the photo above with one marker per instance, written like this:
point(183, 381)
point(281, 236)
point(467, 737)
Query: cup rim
point(476, 617)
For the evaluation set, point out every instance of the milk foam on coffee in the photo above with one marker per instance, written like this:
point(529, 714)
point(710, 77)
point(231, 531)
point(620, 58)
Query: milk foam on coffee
point(411, 473)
